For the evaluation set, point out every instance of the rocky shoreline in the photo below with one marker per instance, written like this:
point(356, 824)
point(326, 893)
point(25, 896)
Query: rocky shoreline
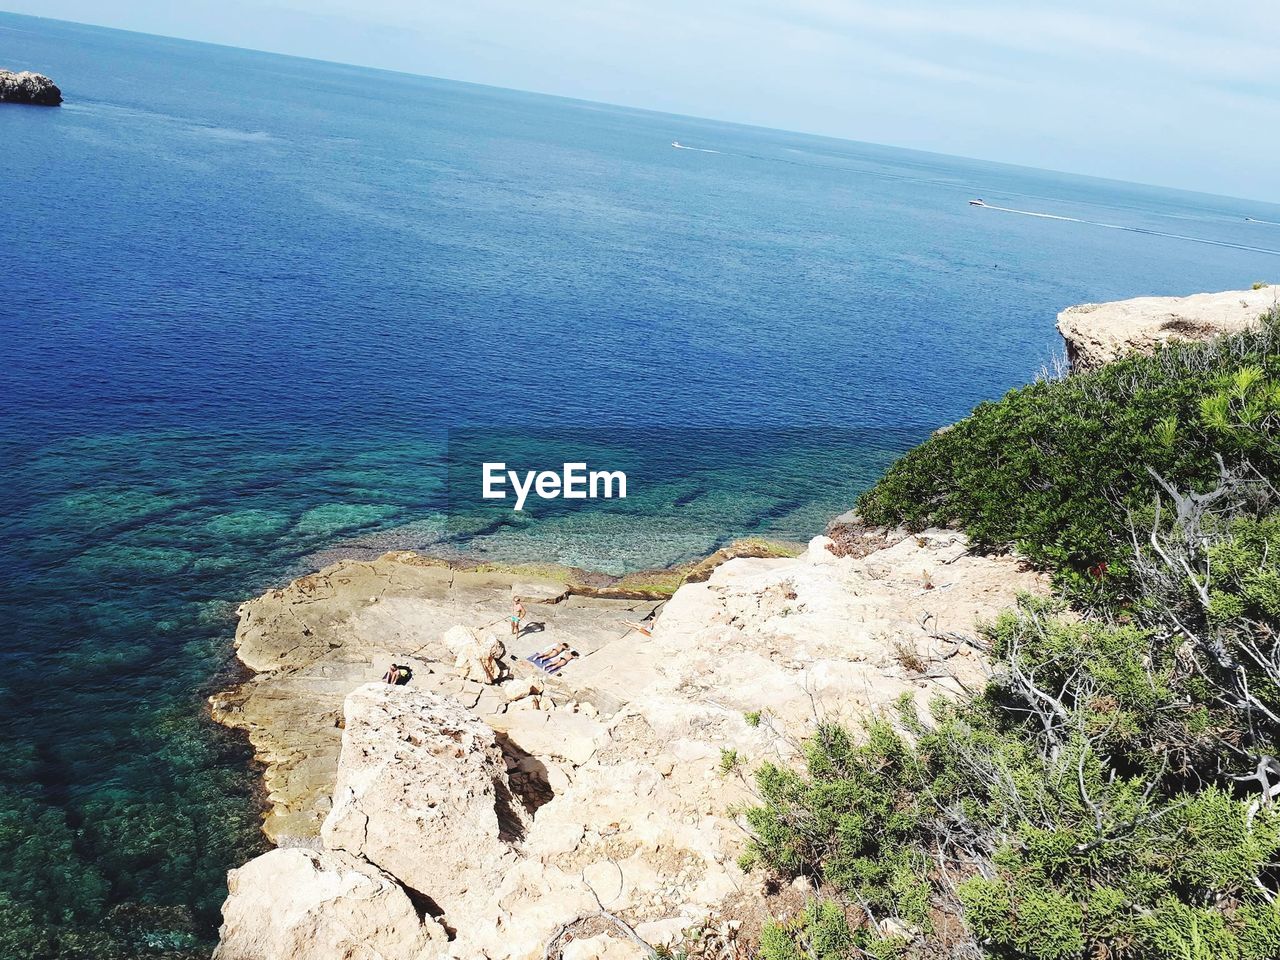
point(591, 814)
point(614, 769)
point(34, 89)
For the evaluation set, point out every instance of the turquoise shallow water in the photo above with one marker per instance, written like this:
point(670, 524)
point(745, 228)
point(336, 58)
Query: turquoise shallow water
point(256, 310)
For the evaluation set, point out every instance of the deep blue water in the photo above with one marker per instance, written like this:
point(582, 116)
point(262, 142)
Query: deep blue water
point(247, 301)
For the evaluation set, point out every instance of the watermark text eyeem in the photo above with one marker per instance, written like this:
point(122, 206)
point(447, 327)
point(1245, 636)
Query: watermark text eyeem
point(574, 482)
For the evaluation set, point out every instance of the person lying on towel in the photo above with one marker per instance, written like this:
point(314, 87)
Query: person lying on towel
point(554, 666)
point(551, 654)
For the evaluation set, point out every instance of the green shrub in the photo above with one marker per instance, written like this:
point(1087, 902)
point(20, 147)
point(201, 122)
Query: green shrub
point(1246, 571)
point(821, 932)
point(851, 822)
point(1057, 468)
point(1112, 791)
point(1044, 810)
point(1025, 920)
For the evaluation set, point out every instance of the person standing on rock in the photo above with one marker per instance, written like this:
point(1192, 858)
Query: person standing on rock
point(517, 617)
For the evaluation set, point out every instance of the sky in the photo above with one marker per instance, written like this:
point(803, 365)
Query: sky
point(1169, 92)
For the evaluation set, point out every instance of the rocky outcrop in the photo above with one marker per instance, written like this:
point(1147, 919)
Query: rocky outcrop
point(30, 88)
point(315, 641)
point(1097, 333)
point(422, 792)
point(475, 657)
point(623, 771)
point(305, 905)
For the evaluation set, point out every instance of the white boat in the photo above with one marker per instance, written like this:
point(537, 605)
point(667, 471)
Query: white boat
point(977, 203)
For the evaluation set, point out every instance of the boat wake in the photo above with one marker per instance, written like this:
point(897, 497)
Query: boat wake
point(680, 146)
point(1127, 229)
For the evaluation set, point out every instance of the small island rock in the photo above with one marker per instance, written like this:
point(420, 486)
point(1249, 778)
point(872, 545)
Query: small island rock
point(27, 87)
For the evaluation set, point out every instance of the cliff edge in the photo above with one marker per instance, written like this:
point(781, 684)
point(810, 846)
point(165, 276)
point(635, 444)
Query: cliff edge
point(595, 810)
point(1097, 333)
point(593, 814)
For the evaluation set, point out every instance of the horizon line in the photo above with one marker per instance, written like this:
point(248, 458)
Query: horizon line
point(625, 106)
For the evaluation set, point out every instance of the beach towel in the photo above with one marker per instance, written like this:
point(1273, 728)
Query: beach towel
point(542, 665)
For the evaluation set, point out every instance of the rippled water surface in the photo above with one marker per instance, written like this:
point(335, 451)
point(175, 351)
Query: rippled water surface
point(250, 304)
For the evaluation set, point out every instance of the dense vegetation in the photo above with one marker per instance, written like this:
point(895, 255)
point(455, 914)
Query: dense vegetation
point(1112, 793)
point(1057, 468)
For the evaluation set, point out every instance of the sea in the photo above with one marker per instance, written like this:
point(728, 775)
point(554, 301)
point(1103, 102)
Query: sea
point(257, 312)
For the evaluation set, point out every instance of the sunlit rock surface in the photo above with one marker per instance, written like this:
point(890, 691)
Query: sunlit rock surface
point(30, 88)
point(619, 776)
point(1097, 333)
